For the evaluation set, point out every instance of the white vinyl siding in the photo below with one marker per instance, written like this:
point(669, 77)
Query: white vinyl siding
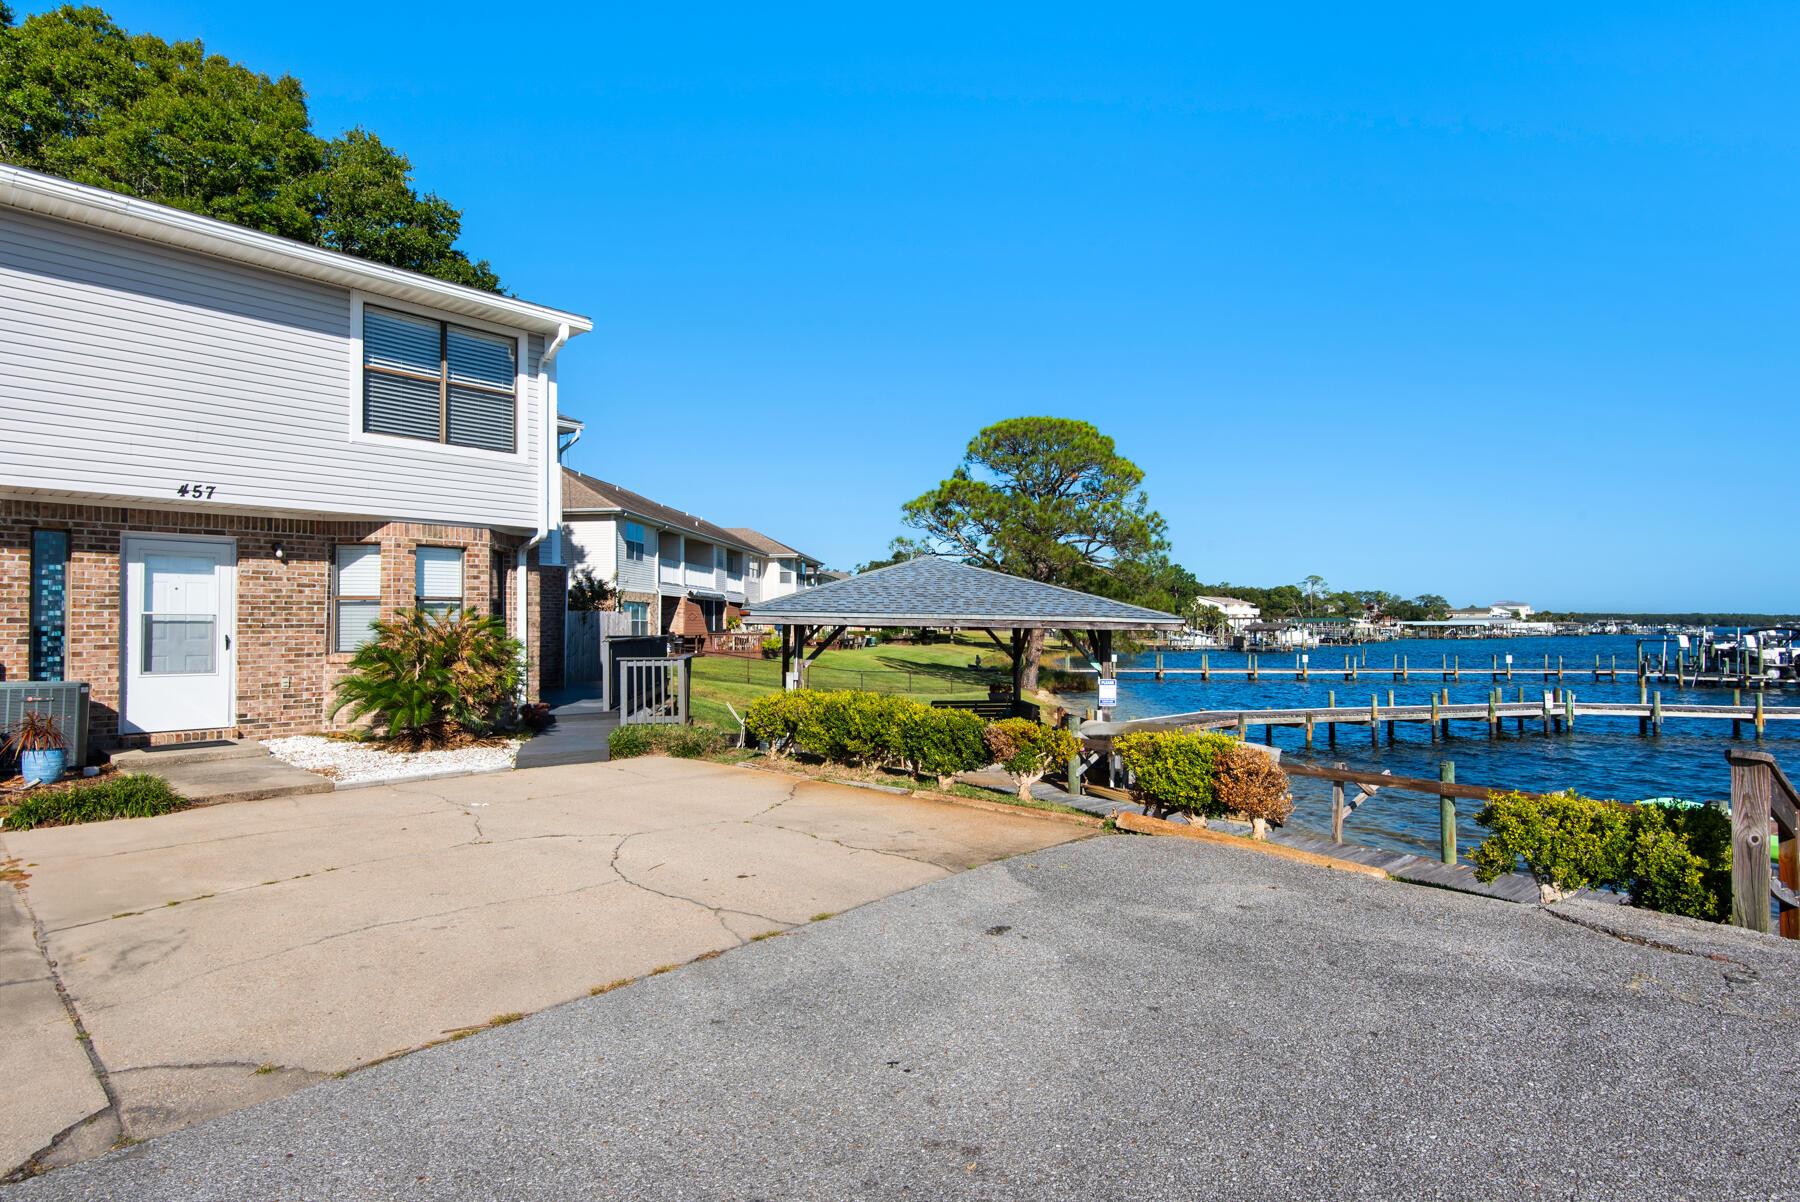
point(128, 368)
point(438, 578)
point(356, 595)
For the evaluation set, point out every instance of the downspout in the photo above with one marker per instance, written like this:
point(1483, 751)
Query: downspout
point(546, 465)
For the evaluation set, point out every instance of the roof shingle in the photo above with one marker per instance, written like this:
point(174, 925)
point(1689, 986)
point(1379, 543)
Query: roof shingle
point(931, 591)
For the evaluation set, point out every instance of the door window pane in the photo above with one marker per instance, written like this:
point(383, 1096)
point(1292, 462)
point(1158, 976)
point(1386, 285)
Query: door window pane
point(181, 610)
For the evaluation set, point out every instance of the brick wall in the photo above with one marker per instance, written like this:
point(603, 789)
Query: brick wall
point(285, 669)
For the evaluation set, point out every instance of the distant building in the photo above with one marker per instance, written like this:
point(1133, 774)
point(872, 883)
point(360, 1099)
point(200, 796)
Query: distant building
point(1512, 609)
point(1474, 613)
point(1238, 612)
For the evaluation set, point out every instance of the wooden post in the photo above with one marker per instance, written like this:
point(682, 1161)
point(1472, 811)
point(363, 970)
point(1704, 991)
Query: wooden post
point(1759, 713)
point(1159, 666)
point(1072, 773)
point(1243, 727)
point(1309, 729)
point(1656, 713)
point(1456, 668)
point(1751, 781)
point(1559, 668)
point(1434, 718)
point(1205, 666)
point(1374, 719)
point(1569, 709)
point(1331, 727)
point(1445, 730)
point(1521, 713)
point(1548, 724)
point(1405, 667)
point(1337, 808)
point(1269, 734)
point(1390, 720)
point(1447, 812)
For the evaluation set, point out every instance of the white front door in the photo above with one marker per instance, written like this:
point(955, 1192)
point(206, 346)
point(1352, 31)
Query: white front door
point(178, 625)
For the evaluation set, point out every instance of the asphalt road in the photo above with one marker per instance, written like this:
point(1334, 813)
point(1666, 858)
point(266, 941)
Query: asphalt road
point(1127, 1018)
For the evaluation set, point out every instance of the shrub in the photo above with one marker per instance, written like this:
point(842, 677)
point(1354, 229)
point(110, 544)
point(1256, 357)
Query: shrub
point(776, 718)
point(1567, 841)
point(126, 796)
point(1250, 783)
point(1674, 860)
point(771, 646)
point(1027, 750)
point(854, 728)
point(1681, 861)
point(681, 742)
point(426, 675)
point(1174, 771)
point(940, 742)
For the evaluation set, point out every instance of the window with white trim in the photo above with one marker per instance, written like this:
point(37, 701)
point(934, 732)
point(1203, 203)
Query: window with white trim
point(639, 613)
point(634, 542)
point(355, 595)
point(438, 382)
point(787, 571)
point(438, 579)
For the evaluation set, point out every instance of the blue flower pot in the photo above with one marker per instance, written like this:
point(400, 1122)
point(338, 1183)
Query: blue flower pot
point(42, 767)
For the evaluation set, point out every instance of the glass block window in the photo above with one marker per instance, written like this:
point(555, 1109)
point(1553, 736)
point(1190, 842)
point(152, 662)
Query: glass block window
point(49, 603)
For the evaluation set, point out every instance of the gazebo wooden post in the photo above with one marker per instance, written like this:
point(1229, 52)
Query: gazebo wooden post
point(787, 654)
point(1018, 665)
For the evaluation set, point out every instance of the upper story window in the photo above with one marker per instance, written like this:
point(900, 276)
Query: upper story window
point(439, 382)
point(755, 568)
point(634, 542)
point(787, 571)
point(734, 564)
point(438, 578)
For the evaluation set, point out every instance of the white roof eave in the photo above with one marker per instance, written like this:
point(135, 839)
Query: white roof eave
point(96, 207)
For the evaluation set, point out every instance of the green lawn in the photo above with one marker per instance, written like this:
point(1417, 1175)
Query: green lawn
point(939, 669)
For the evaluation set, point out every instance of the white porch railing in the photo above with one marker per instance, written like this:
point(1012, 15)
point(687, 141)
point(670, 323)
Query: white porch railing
point(655, 690)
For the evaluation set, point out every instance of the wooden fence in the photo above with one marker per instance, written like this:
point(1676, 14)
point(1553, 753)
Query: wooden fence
point(583, 633)
point(1764, 806)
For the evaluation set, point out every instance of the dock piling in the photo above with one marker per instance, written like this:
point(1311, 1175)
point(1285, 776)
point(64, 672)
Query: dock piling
point(1447, 811)
point(1337, 806)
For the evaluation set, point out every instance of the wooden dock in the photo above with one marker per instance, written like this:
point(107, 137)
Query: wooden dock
point(1556, 711)
point(1451, 668)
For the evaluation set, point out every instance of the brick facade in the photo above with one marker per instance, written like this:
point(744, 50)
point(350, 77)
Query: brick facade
point(284, 667)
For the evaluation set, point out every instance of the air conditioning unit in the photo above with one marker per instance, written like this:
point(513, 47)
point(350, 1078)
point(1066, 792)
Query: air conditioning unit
point(64, 700)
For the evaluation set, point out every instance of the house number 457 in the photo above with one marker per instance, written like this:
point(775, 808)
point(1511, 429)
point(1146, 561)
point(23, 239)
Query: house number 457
point(200, 492)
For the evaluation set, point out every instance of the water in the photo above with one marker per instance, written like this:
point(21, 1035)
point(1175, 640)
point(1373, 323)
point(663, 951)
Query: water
point(1603, 757)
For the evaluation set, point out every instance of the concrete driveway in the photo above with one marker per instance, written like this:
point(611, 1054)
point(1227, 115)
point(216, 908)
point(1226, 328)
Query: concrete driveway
point(195, 963)
point(1146, 1020)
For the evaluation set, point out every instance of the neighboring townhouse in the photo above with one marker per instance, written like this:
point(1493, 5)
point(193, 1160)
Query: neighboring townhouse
point(675, 573)
point(224, 455)
point(776, 569)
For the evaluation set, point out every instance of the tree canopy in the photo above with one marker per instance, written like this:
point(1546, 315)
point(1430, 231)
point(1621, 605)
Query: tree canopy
point(1050, 499)
point(82, 98)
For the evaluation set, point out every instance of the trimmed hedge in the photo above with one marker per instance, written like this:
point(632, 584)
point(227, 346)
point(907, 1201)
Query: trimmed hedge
point(861, 730)
point(682, 742)
point(1676, 861)
point(1028, 750)
point(132, 795)
point(1175, 771)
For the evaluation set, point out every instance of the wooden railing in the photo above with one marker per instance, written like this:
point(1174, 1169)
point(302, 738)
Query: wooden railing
point(655, 690)
point(1764, 805)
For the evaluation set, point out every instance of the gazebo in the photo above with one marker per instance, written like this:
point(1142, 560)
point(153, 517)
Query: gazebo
point(946, 594)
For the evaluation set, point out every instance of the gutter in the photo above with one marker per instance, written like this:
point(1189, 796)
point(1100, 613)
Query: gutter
point(546, 454)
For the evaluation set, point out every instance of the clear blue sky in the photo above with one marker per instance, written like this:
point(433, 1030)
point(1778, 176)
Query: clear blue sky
point(1486, 300)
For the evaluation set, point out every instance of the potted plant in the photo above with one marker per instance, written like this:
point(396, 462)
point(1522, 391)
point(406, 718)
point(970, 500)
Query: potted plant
point(42, 750)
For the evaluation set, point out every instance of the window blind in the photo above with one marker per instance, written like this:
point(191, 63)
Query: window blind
point(439, 572)
point(358, 589)
point(481, 368)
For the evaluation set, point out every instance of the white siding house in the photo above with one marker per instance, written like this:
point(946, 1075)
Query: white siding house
point(675, 573)
point(196, 410)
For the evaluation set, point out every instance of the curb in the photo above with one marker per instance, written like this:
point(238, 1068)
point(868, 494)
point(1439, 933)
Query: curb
point(1142, 825)
point(991, 807)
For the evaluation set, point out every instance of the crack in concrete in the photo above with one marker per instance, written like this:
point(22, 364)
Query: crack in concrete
point(33, 1164)
point(1639, 940)
point(717, 912)
point(372, 926)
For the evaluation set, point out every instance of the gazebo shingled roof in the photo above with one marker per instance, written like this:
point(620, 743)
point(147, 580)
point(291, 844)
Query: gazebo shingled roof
point(947, 594)
point(931, 592)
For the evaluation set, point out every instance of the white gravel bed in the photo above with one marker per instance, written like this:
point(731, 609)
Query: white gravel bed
point(357, 763)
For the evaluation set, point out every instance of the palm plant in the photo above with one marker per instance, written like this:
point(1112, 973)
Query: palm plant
point(36, 732)
point(426, 676)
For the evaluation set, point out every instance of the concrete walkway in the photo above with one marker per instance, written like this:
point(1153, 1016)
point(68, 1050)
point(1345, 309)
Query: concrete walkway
point(1120, 1018)
point(223, 956)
